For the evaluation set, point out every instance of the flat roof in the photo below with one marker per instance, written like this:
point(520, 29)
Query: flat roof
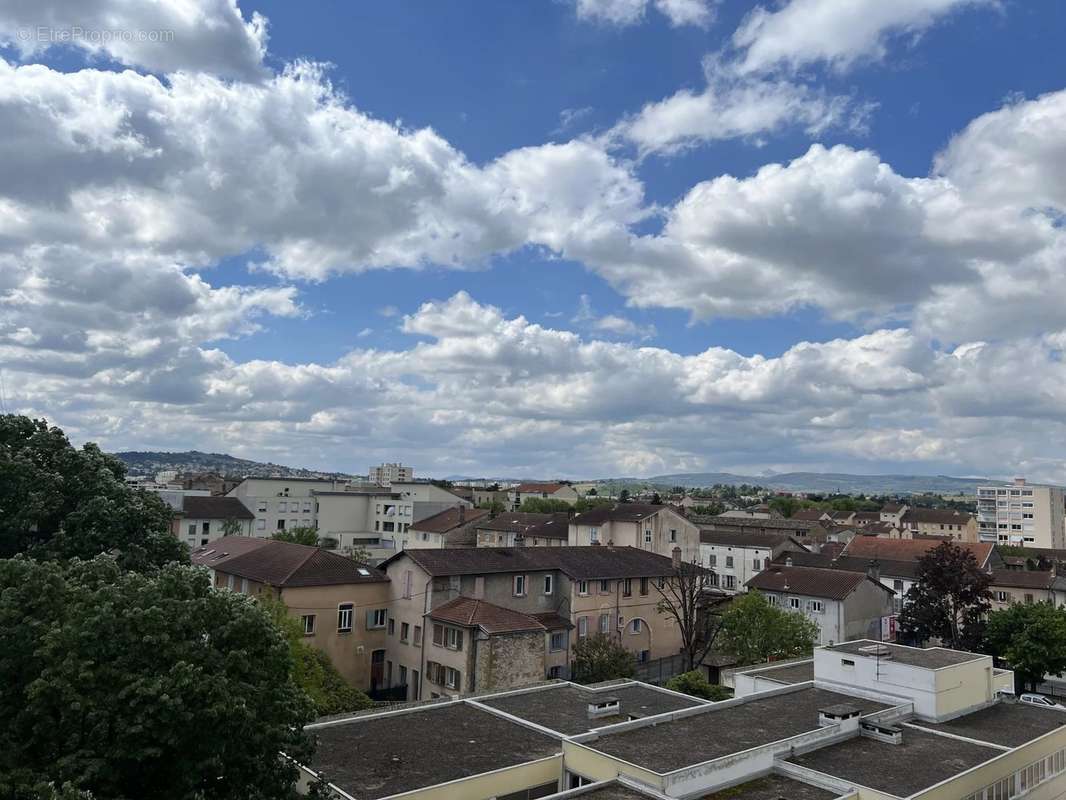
point(772, 787)
point(1007, 723)
point(722, 730)
point(614, 791)
point(929, 657)
point(922, 760)
point(564, 707)
point(378, 756)
point(786, 673)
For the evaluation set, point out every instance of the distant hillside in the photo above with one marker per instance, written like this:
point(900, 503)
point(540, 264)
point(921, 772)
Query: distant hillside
point(824, 482)
point(150, 462)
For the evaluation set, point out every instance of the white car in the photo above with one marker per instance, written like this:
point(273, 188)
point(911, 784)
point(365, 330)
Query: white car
point(1040, 700)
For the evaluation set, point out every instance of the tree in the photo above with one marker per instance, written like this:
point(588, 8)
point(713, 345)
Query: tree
point(312, 669)
point(360, 553)
point(592, 492)
point(656, 499)
point(587, 503)
point(494, 507)
point(231, 527)
point(683, 598)
point(1031, 638)
point(301, 535)
point(623, 496)
point(949, 599)
point(59, 502)
point(755, 631)
point(785, 506)
point(544, 505)
point(129, 685)
point(695, 683)
point(601, 658)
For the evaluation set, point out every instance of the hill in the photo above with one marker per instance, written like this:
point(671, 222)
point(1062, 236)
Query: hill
point(825, 482)
point(150, 462)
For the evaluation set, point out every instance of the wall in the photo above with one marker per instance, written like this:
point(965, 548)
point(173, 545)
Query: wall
point(506, 661)
point(830, 620)
point(863, 609)
point(180, 527)
point(409, 607)
point(634, 534)
point(659, 634)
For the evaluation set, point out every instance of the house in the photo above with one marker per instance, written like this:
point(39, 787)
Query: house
point(892, 513)
point(864, 518)
point(522, 528)
point(737, 557)
point(866, 720)
point(340, 604)
point(1010, 586)
point(898, 576)
point(802, 530)
point(845, 605)
point(949, 524)
point(569, 590)
point(516, 495)
point(812, 515)
point(483, 496)
point(454, 527)
point(913, 549)
point(371, 519)
point(656, 528)
point(202, 519)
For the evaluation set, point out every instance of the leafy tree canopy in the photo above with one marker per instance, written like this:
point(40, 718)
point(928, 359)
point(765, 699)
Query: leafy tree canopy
point(544, 505)
point(1031, 638)
point(601, 658)
point(949, 599)
point(131, 685)
point(60, 502)
point(303, 535)
point(695, 683)
point(756, 631)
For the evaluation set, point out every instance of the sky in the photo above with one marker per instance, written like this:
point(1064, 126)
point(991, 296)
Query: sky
point(541, 238)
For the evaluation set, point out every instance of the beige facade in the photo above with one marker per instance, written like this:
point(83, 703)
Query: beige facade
point(659, 532)
point(1023, 514)
point(626, 610)
point(518, 494)
point(491, 538)
point(282, 503)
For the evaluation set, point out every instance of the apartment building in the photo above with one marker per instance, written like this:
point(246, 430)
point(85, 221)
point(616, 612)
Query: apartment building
point(282, 503)
point(522, 528)
point(376, 520)
point(945, 523)
point(454, 527)
point(202, 519)
point(655, 528)
point(1021, 513)
point(861, 720)
point(516, 495)
point(340, 604)
point(808, 532)
point(736, 558)
point(387, 474)
point(571, 591)
point(1010, 586)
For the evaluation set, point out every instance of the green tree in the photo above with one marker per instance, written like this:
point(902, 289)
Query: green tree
point(785, 506)
point(587, 503)
point(592, 491)
point(1031, 638)
point(623, 496)
point(601, 658)
point(134, 685)
point(544, 505)
point(494, 507)
point(301, 535)
point(695, 683)
point(312, 669)
point(60, 502)
point(755, 631)
point(949, 600)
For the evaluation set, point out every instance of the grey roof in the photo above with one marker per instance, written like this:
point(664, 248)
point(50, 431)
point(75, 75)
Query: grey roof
point(555, 526)
point(725, 523)
point(889, 569)
point(1007, 723)
point(593, 562)
point(786, 674)
point(765, 540)
point(380, 756)
point(283, 564)
point(619, 512)
point(772, 787)
point(564, 707)
point(928, 658)
point(196, 507)
point(832, 584)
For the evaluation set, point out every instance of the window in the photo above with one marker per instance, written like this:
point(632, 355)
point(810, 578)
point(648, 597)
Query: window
point(282, 507)
point(260, 524)
point(192, 529)
point(794, 603)
point(647, 536)
point(582, 626)
point(453, 638)
point(594, 535)
point(555, 672)
point(403, 675)
point(392, 627)
point(407, 579)
point(627, 587)
point(730, 581)
point(729, 562)
point(438, 635)
point(244, 586)
point(375, 618)
point(583, 587)
point(605, 623)
point(1029, 599)
point(557, 641)
point(673, 536)
point(636, 626)
point(451, 678)
point(897, 586)
point(405, 631)
point(344, 618)
point(605, 587)
point(281, 525)
point(309, 624)
point(548, 584)
point(643, 656)
point(714, 561)
point(644, 586)
point(1002, 597)
point(418, 635)
point(816, 606)
point(756, 564)
point(771, 599)
point(262, 506)
point(307, 506)
point(519, 585)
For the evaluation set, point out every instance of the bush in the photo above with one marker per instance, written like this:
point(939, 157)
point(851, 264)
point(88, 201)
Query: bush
point(600, 658)
point(695, 683)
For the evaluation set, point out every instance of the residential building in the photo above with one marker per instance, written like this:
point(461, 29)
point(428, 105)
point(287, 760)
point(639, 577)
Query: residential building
point(845, 605)
point(522, 528)
point(864, 721)
point(202, 519)
point(211, 482)
point(454, 527)
point(1010, 586)
point(812, 515)
point(428, 498)
point(656, 528)
point(483, 496)
point(892, 513)
point(387, 474)
point(588, 589)
point(1021, 513)
point(516, 495)
point(803, 530)
point(735, 558)
point(374, 520)
point(340, 604)
point(945, 523)
point(282, 503)
point(898, 576)
point(870, 547)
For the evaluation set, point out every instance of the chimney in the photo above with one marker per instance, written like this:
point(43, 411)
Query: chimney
point(519, 540)
point(462, 514)
point(1019, 481)
point(788, 561)
point(874, 570)
point(676, 557)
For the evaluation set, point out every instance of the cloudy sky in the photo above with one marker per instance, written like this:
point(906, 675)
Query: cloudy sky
point(548, 238)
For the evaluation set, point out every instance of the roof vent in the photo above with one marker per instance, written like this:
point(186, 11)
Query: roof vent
point(364, 572)
point(890, 734)
point(604, 707)
point(879, 650)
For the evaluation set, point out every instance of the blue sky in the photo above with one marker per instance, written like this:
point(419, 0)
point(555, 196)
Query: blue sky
point(560, 238)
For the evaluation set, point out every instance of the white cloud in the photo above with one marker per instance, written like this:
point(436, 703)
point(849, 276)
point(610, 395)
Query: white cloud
point(699, 13)
point(193, 35)
point(609, 324)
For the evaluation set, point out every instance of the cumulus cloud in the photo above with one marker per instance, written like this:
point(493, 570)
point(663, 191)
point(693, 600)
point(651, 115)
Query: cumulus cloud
point(630, 12)
point(609, 324)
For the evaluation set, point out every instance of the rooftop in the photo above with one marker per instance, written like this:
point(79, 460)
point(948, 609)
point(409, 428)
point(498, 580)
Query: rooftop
point(529, 524)
point(889, 569)
point(374, 757)
point(772, 787)
point(834, 584)
point(788, 673)
point(471, 613)
point(533, 488)
point(593, 562)
point(450, 519)
point(908, 549)
point(564, 707)
point(283, 563)
point(1006, 723)
point(934, 516)
point(761, 539)
point(725, 729)
point(619, 512)
point(927, 658)
point(195, 507)
point(1022, 579)
point(724, 523)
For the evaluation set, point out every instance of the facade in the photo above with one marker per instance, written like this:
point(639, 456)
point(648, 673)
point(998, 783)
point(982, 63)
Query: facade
point(1022, 514)
point(282, 503)
point(806, 531)
point(202, 519)
point(948, 524)
point(862, 721)
point(736, 558)
point(1011, 586)
point(845, 605)
point(516, 495)
point(521, 528)
point(386, 474)
point(899, 576)
point(454, 527)
point(339, 603)
point(655, 528)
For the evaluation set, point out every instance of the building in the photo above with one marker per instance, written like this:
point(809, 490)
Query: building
point(809, 532)
point(1021, 513)
point(946, 523)
point(340, 604)
point(428, 498)
point(898, 576)
point(202, 519)
point(453, 527)
point(861, 720)
point(210, 482)
point(517, 495)
point(735, 558)
point(892, 513)
point(484, 496)
point(523, 528)
point(1010, 586)
point(845, 605)
point(569, 590)
point(282, 503)
point(656, 528)
point(387, 474)
point(373, 520)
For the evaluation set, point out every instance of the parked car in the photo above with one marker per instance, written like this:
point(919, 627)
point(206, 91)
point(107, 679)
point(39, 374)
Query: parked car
point(1040, 700)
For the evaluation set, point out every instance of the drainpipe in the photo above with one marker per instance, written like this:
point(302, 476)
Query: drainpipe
point(422, 645)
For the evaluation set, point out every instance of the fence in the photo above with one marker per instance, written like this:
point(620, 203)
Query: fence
point(660, 670)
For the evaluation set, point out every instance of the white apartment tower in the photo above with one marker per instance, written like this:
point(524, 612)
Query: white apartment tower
point(1022, 514)
point(386, 474)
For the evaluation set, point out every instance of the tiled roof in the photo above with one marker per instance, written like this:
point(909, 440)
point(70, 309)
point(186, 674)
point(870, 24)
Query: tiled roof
point(833, 584)
point(449, 519)
point(891, 508)
point(619, 512)
point(195, 507)
point(809, 514)
point(889, 569)
point(935, 516)
point(867, 516)
point(1022, 579)
point(745, 538)
point(593, 562)
point(537, 488)
point(490, 618)
point(528, 524)
point(283, 564)
point(720, 523)
point(552, 621)
point(908, 549)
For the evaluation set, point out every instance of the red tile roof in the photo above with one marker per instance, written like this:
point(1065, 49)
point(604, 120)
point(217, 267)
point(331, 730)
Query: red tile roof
point(908, 549)
point(471, 613)
point(283, 564)
point(449, 519)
